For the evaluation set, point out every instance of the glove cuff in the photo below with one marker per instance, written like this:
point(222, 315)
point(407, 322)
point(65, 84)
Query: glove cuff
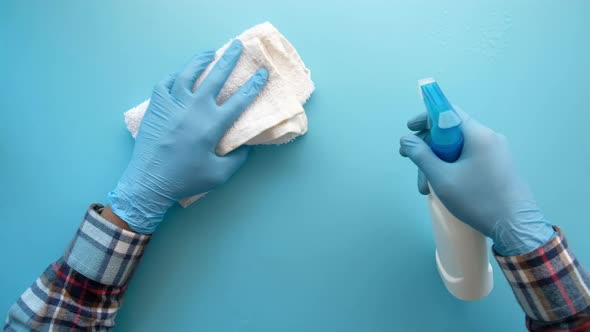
point(522, 232)
point(142, 214)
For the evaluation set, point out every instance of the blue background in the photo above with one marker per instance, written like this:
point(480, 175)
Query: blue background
point(327, 233)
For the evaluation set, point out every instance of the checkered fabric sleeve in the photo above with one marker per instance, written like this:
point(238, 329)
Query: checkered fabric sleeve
point(83, 289)
point(551, 286)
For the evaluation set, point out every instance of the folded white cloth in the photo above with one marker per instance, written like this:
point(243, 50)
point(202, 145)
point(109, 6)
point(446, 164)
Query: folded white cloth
point(277, 115)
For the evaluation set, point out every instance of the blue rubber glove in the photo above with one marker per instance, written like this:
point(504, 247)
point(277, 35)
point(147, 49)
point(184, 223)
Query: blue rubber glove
point(482, 188)
point(174, 155)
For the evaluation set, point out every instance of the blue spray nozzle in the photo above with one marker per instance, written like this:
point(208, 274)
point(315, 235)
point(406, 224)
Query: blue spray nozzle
point(446, 138)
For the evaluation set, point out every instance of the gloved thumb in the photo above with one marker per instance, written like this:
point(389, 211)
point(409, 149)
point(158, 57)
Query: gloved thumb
point(413, 147)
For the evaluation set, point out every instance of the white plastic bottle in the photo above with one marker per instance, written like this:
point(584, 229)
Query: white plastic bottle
point(461, 251)
point(461, 254)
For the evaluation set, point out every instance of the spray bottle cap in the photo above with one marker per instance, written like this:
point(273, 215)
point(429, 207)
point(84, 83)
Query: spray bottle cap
point(446, 138)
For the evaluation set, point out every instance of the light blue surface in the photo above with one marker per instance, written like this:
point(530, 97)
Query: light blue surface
point(327, 233)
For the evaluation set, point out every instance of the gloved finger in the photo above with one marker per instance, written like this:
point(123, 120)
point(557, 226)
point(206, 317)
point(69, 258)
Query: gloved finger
point(419, 122)
point(422, 183)
point(424, 135)
point(238, 102)
point(163, 87)
point(222, 69)
point(462, 114)
point(419, 152)
point(476, 133)
point(185, 80)
point(232, 161)
point(240, 154)
point(241, 99)
point(470, 127)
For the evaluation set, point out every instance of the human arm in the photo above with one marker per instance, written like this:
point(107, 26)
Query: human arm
point(483, 189)
point(108, 214)
point(84, 288)
point(174, 157)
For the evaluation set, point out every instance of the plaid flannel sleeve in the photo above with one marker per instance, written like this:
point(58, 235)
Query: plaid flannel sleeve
point(551, 286)
point(83, 289)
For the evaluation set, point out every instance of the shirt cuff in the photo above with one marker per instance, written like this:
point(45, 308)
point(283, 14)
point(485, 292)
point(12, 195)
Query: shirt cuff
point(549, 283)
point(104, 252)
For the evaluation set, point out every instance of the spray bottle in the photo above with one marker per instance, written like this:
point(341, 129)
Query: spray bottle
point(461, 251)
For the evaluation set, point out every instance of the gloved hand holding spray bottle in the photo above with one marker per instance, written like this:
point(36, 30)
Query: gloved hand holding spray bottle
point(461, 251)
point(474, 192)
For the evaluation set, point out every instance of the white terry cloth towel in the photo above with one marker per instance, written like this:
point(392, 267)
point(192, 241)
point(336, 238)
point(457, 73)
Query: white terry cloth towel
point(277, 115)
